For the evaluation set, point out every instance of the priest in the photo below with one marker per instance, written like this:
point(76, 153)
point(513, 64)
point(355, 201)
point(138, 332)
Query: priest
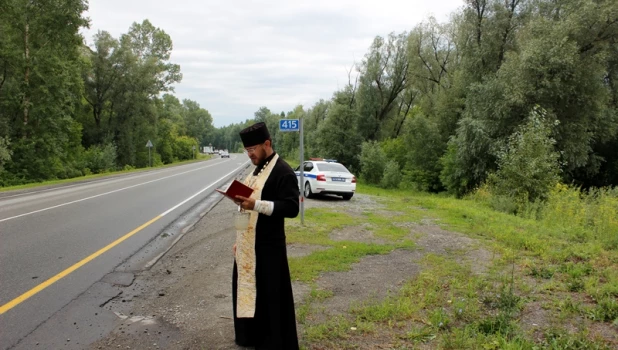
point(263, 304)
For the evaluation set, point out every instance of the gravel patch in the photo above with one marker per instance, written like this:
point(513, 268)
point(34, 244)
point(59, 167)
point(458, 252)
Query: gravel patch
point(359, 233)
point(298, 250)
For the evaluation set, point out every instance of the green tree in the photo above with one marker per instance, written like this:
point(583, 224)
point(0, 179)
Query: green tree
point(372, 162)
point(424, 146)
point(338, 136)
point(144, 55)
point(39, 60)
point(198, 122)
point(383, 77)
point(392, 175)
point(528, 167)
point(5, 152)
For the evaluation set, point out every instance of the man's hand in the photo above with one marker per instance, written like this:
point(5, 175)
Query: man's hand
point(234, 249)
point(245, 203)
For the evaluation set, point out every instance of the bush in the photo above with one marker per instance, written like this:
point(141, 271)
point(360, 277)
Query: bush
point(452, 177)
point(183, 147)
point(100, 158)
point(372, 161)
point(392, 175)
point(423, 148)
point(5, 152)
point(467, 158)
point(528, 166)
point(583, 215)
point(395, 149)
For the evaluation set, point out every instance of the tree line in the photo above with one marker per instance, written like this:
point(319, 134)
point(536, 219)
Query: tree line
point(514, 93)
point(68, 109)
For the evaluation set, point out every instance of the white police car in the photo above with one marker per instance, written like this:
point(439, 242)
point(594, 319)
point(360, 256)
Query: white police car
point(326, 177)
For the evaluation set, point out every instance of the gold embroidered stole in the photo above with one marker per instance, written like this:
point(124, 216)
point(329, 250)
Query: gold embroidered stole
point(245, 245)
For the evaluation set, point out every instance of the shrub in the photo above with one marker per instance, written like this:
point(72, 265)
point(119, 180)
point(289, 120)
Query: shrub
point(395, 149)
point(183, 147)
point(423, 148)
point(583, 215)
point(100, 158)
point(372, 161)
point(528, 166)
point(392, 175)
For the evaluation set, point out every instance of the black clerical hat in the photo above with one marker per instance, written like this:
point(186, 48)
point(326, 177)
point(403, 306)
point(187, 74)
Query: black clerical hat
point(254, 135)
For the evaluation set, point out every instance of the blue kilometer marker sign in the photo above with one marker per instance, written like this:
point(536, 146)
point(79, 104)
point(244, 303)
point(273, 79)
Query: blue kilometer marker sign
point(286, 125)
point(289, 125)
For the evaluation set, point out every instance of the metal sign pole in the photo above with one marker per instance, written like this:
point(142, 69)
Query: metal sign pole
point(293, 125)
point(149, 145)
point(302, 173)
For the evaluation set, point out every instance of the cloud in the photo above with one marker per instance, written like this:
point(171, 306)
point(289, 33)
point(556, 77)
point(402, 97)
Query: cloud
point(237, 56)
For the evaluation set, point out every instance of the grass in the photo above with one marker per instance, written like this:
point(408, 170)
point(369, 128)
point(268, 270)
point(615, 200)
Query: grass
point(561, 266)
point(201, 157)
point(340, 255)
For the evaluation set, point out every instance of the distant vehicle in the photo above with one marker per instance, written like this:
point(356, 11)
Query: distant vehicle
point(326, 177)
point(208, 150)
point(224, 154)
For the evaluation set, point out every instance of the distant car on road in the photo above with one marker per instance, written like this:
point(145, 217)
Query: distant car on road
point(326, 177)
point(224, 154)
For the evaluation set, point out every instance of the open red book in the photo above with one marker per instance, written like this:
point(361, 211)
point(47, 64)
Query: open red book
point(237, 188)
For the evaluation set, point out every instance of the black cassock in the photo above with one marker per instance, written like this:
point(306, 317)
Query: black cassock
point(274, 324)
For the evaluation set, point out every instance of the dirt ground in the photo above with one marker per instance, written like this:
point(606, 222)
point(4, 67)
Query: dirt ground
point(184, 301)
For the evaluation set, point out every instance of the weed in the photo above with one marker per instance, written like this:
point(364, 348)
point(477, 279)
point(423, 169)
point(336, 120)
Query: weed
point(501, 323)
point(541, 272)
point(606, 310)
point(556, 339)
point(421, 334)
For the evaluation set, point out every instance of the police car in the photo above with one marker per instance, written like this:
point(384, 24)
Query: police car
point(326, 176)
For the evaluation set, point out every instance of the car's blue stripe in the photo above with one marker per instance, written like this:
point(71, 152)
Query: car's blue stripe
point(308, 175)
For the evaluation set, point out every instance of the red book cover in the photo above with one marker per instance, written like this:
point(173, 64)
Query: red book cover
point(237, 188)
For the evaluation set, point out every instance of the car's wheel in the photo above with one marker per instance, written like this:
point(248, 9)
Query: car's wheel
point(347, 197)
point(308, 193)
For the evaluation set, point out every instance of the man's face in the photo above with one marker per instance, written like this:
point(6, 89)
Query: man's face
point(256, 153)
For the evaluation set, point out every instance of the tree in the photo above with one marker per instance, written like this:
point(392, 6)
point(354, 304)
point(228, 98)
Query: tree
point(528, 167)
point(100, 77)
point(338, 136)
point(383, 76)
point(372, 162)
point(5, 152)
point(424, 146)
point(39, 79)
point(197, 122)
point(143, 60)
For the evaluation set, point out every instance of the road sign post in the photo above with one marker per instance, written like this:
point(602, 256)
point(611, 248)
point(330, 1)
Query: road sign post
point(193, 151)
point(149, 145)
point(293, 125)
point(302, 173)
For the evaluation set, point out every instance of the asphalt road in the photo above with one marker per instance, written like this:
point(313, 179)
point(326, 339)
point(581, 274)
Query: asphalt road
point(56, 243)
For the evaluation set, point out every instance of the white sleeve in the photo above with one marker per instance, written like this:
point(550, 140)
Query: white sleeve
point(264, 207)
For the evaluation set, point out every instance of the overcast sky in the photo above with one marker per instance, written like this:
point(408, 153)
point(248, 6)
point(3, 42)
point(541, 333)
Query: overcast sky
point(238, 55)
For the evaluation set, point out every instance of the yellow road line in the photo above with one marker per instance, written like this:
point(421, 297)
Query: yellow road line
point(11, 304)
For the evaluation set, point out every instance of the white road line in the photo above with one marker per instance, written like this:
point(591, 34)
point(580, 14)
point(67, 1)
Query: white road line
point(102, 180)
point(202, 190)
point(104, 194)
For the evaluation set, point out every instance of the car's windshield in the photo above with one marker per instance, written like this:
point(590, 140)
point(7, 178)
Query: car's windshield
point(332, 167)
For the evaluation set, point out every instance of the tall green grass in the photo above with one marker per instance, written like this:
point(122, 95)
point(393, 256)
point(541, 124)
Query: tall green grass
point(559, 254)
